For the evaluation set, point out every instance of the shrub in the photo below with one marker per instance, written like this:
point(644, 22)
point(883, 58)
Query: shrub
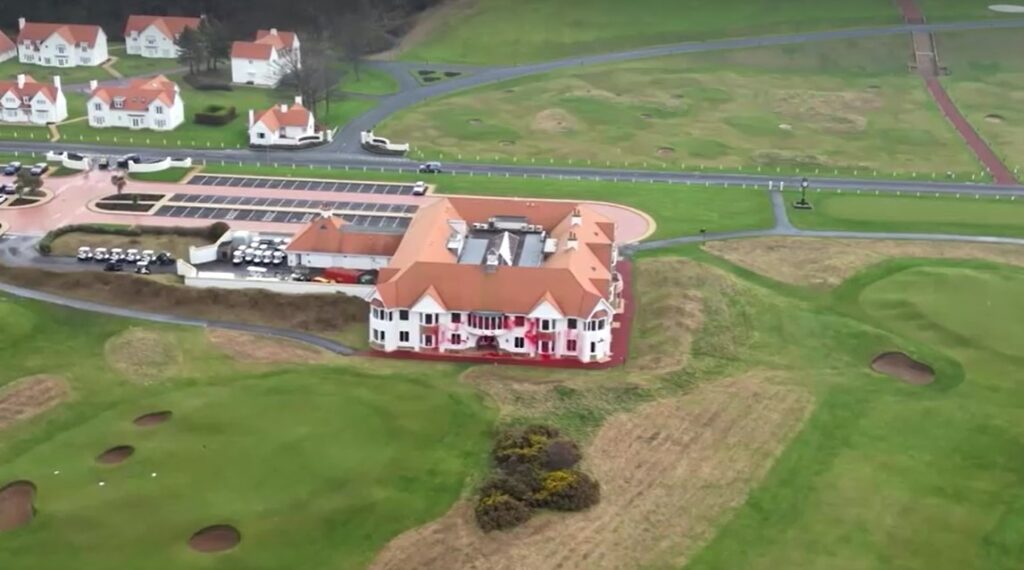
point(215, 115)
point(498, 511)
point(525, 446)
point(561, 453)
point(567, 490)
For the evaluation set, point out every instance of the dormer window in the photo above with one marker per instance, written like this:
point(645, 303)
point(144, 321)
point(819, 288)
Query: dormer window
point(119, 102)
point(26, 99)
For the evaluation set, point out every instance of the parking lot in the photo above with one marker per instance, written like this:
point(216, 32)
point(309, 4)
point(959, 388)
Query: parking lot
point(220, 200)
point(300, 184)
point(376, 222)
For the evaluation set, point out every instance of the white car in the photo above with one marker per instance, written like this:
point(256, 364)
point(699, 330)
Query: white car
point(267, 257)
point(278, 257)
point(250, 255)
point(3, 198)
point(100, 254)
point(116, 254)
point(147, 253)
point(131, 256)
point(84, 253)
point(237, 258)
point(419, 189)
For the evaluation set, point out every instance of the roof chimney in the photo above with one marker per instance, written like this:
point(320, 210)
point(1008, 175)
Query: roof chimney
point(252, 117)
point(21, 24)
point(284, 108)
point(273, 31)
point(56, 82)
point(298, 100)
point(577, 218)
point(571, 242)
point(21, 80)
point(93, 85)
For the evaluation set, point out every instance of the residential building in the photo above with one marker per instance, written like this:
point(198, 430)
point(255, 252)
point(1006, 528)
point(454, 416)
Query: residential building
point(330, 242)
point(517, 278)
point(266, 60)
point(150, 103)
point(284, 126)
point(25, 100)
point(156, 36)
point(7, 48)
point(61, 45)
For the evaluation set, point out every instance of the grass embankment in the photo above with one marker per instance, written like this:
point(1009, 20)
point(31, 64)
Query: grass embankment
point(677, 209)
point(847, 108)
point(985, 82)
point(520, 31)
point(169, 175)
point(404, 435)
point(911, 214)
point(68, 244)
point(370, 81)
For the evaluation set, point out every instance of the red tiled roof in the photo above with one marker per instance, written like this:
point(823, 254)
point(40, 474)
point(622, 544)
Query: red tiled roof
point(170, 26)
point(274, 118)
point(278, 40)
point(74, 33)
point(6, 44)
point(140, 93)
point(251, 50)
point(328, 235)
point(30, 89)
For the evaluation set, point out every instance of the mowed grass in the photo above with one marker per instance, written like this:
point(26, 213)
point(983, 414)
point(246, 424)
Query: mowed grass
point(987, 84)
point(316, 465)
point(370, 81)
point(676, 209)
point(966, 10)
point(887, 213)
point(127, 65)
point(518, 31)
point(845, 107)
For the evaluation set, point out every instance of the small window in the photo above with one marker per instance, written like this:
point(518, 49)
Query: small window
point(545, 347)
point(427, 318)
point(573, 323)
point(593, 347)
point(570, 345)
point(403, 336)
point(600, 324)
point(456, 338)
point(403, 315)
point(261, 135)
point(456, 318)
point(159, 110)
point(519, 342)
point(520, 321)
point(428, 340)
point(98, 106)
point(545, 325)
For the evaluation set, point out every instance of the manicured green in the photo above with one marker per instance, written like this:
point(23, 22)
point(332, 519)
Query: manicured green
point(926, 214)
point(518, 31)
point(169, 175)
point(962, 10)
point(370, 81)
point(136, 65)
point(987, 75)
point(677, 209)
point(847, 108)
point(317, 465)
point(127, 65)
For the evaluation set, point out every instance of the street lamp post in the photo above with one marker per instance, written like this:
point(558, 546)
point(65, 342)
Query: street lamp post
point(803, 191)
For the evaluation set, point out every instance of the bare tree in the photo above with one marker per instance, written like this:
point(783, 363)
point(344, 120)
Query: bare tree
point(27, 183)
point(119, 181)
point(309, 75)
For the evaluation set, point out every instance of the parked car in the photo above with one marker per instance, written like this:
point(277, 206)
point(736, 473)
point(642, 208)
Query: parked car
point(237, 258)
point(419, 189)
point(8, 189)
point(267, 257)
point(124, 160)
point(103, 163)
point(84, 253)
point(12, 168)
point(3, 198)
point(432, 167)
point(250, 255)
point(39, 169)
point(113, 266)
point(131, 256)
point(100, 254)
point(164, 258)
point(299, 277)
point(278, 257)
point(147, 253)
point(142, 268)
point(116, 254)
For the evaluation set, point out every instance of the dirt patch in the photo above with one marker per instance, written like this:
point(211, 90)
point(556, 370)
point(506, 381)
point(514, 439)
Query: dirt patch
point(506, 143)
point(115, 454)
point(314, 313)
point(153, 418)
point(30, 396)
point(646, 116)
point(16, 504)
point(475, 122)
point(143, 355)
point(216, 538)
point(829, 111)
point(786, 127)
point(902, 366)
point(829, 262)
point(665, 151)
point(554, 121)
point(670, 471)
point(994, 118)
point(246, 347)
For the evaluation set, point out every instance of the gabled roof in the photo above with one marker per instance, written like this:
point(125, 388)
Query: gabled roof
point(139, 94)
point(6, 44)
point(72, 33)
point(29, 89)
point(277, 38)
point(327, 234)
point(169, 26)
point(266, 42)
point(274, 118)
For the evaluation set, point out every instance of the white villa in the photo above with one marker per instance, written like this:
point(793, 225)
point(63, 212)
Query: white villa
point(265, 61)
point(7, 48)
point(155, 36)
point(153, 103)
point(27, 101)
point(283, 126)
point(61, 45)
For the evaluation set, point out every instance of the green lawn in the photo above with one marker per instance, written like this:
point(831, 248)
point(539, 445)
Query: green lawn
point(987, 83)
point(677, 209)
point(518, 31)
point(128, 65)
point(169, 175)
point(827, 108)
point(962, 10)
point(888, 213)
point(136, 65)
point(318, 465)
point(370, 82)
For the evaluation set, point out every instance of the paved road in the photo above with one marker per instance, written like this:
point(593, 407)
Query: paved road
point(348, 138)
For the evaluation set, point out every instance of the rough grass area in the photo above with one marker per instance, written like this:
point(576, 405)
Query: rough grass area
point(826, 263)
point(987, 84)
point(68, 244)
point(245, 347)
point(823, 108)
point(143, 355)
point(28, 397)
point(518, 31)
point(933, 214)
point(677, 209)
point(402, 438)
point(315, 313)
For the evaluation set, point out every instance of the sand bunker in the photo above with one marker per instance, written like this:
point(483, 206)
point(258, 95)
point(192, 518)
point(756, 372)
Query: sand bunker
point(30, 396)
point(16, 504)
point(665, 151)
point(143, 355)
point(245, 347)
point(554, 121)
point(116, 454)
point(1007, 8)
point(153, 418)
point(216, 538)
point(899, 365)
point(506, 143)
point(994, 118)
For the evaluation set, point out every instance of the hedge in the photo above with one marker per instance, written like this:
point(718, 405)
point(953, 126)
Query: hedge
point(212, 232)
point(215, 115)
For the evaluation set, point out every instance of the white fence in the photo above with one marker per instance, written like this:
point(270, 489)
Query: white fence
point(159, 165)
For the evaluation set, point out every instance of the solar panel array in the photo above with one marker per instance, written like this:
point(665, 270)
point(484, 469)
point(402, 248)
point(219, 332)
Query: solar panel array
point(301, 184)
